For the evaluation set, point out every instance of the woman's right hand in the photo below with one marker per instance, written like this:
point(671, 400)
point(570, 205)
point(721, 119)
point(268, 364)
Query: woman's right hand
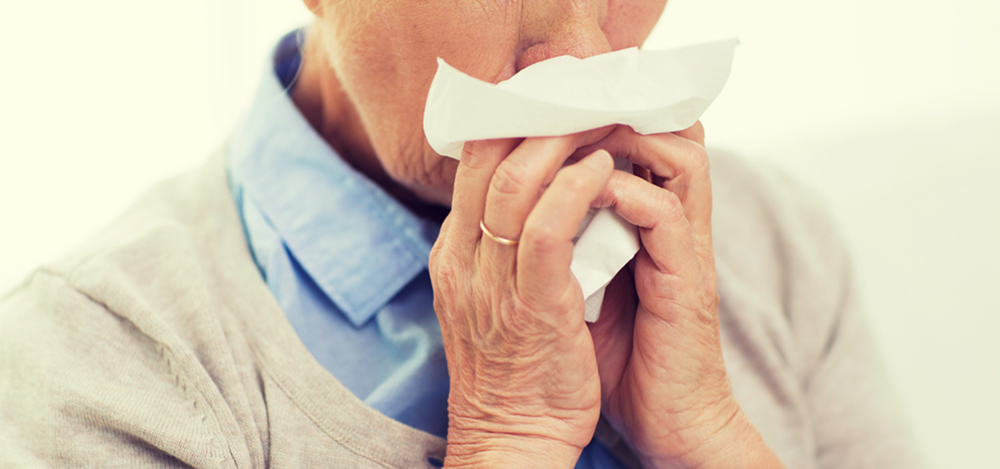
point(525, 389)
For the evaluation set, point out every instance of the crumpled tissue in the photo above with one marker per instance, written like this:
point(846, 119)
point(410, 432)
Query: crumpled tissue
point(650, 91)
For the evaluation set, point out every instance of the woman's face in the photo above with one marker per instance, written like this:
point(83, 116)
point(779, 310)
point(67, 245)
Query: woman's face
point(383, 54)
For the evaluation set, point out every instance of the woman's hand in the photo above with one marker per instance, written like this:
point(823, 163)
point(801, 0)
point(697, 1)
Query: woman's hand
point(526, 384)
point(525, 390)
point(664, 384)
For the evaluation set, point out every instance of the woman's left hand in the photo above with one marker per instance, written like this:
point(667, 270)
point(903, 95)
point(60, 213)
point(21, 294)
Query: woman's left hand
point(663, 381)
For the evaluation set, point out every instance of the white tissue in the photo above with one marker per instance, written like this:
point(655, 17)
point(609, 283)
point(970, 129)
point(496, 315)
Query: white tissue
point(650, 91)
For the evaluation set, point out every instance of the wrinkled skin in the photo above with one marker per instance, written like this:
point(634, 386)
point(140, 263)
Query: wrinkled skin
point(529, 378)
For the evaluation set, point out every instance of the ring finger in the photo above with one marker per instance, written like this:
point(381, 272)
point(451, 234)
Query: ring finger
point(520, 179)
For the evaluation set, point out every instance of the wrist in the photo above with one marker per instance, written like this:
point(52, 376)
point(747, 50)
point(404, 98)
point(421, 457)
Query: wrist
point(736, 443)
point(494, 435)
point(487, 450)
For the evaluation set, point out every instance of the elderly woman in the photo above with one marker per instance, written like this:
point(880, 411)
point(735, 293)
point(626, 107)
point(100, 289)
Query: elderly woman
point(330, 292)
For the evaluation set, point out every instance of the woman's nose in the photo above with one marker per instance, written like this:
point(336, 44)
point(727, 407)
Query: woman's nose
point(551, 28)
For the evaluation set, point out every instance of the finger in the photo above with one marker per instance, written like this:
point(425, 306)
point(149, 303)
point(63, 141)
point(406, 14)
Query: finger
point(472, 179)
point(666, 234)
point(666, 155)
point(520, 178)
point(613, 332)
point(695, 133)
point(546, 248)
point(680, 162)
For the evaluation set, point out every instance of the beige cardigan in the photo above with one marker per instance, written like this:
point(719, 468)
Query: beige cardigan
point(157, 344)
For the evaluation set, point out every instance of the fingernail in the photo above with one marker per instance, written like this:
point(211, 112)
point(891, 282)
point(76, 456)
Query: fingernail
point(599, 159)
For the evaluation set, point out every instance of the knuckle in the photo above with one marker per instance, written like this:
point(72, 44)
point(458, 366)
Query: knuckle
point(576, 182)
point(714, 299)
point(623, 131)
point(575, 179)
point(437, 251)
point(472, 157)
point(621, 143)
point(539, 237)
point(447, 267)
point(444, 281)
point(593, 136)
point(699, 132)
point(442, 266)
point(484, 155)
point(670, 207)
point(632, 139)
point(697, 156)
point(695, 133)
point(509, 178)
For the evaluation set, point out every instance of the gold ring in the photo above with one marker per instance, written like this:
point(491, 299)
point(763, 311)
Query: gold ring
point(499, 239)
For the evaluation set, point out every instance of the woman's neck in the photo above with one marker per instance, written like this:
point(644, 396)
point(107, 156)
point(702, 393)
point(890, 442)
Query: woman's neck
point(324, 103)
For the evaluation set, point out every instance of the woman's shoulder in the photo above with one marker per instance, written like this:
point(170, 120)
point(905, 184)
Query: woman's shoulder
point(153, 344)
point(168, 264)
point(109, 342)
point(783, 267)
point(165, 243)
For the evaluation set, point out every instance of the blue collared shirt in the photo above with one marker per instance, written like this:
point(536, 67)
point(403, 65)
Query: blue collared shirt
point(345, 260)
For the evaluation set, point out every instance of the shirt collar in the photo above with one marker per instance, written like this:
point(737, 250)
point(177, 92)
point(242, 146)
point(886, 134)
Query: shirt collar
point(355, 241)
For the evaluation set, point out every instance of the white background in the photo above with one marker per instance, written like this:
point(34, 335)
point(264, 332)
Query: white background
point(889, 108)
